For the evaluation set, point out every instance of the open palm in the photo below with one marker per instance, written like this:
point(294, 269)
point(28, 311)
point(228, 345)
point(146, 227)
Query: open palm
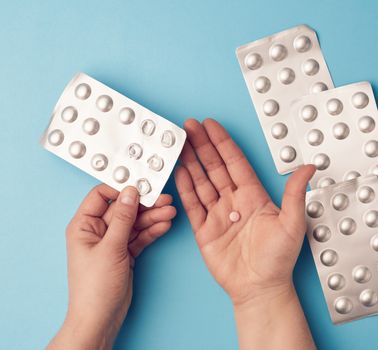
point(260, 250)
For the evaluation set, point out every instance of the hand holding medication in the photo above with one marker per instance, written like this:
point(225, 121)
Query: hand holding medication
point(251, 258)
point(103, 240)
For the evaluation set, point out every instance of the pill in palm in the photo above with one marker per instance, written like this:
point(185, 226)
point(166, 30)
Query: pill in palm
point(234, 216)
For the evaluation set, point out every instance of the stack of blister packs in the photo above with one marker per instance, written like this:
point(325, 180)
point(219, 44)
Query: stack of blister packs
point(306, 120)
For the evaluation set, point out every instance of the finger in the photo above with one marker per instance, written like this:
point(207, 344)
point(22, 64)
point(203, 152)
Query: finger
point(154, 215)
point(97, 201)
point(237, 164)
point(208, 155)
point(147, 236)
point(293, 202)
point(203, 187)
point(163, 200)
point(192, 205)
point(123, 218)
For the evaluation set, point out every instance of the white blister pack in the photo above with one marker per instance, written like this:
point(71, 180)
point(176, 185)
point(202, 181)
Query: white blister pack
point(277, 70)
point(113, 138)
point(342, 228)
point(337, 131)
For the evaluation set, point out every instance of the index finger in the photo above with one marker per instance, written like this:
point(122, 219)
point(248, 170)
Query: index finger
point(97, 201)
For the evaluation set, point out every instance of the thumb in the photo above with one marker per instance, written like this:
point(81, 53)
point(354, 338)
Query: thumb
point(293, 202)
point(123, 217)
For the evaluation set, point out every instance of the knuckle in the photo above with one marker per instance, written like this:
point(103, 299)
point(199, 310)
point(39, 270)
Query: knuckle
point(123, 215)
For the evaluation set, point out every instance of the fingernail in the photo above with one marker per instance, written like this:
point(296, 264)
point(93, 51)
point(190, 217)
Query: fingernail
point(129, 196)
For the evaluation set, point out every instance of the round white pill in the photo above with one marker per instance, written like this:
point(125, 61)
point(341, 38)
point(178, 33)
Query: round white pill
point(340, 131)
point(91, 126)
point(126, 115)
point(368, 298)
point(279, 131)
point(83, 91)
point(365, 194)
point(329, 257)
point(343, 305)
point(69, 114)
point(234, 216)
point(135, 151)
point(143, 186)
point(326, 181)
point(360, 100)
point(336, 281)
point(321, 161)
point(77, 149)
point(371, 218)
point(350, 175)
point(366, 124)
point(253, 61)
point(318, 87)
point(371, 148)
point(155, 162)
point(374, 242)
point(104, 103)
point(147, 127)
point(347, 226)
point(309, 113)
point(334, 106)
point(271, 107)
point(168, 138)
point(315, 137)
point(288, 154)
point(121, 174)
point(310, 67)
point(315, 209)
point(99, 162)
point(262, 85)
point(302, 43)
point(55, 137)
point(361, 274)
point(278, 52)
point(321, 233)
point(286, 76)
point(340, 201)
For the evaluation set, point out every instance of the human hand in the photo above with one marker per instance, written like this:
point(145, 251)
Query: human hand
point(106, 234)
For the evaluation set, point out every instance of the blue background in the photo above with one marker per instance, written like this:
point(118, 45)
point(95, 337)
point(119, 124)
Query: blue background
point(178, 59)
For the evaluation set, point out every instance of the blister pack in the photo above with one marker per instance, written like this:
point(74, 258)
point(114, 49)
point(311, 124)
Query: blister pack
point(277, 70)
point(337, 132)
point(113, 138)
point(342, 228)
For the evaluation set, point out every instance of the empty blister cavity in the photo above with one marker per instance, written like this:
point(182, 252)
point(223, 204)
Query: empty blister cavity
point(279, 131)
point(99, 162)
point(83, 91)
point(371, 148)
point(325, 181)
point(148, 127)
point(69, 114)
point(350, 175)
point(143, 186)
point(104, 134)
point(315, 209)
point(309, 113)
point(360, 100)
point(361, 274)
point(135, 151)
point(368, 298)
point(104, 103)
point(55, 137)
point(336, 281)
point(329, 257)
point(315, 137)
point(321, 161)
point(343, 305)
point(340, 131)
point(121, 174)
point(347, 226)
point(365, 194)
point(77, 149)
point(371, 218)
point(334, 106)
point(322, 233)
point(374, 242)
point(155, 162)
point(91, 126)
point(374, 170)
point(126, 115)
point(340, 201)
point(366, 124)
point(277, 70)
